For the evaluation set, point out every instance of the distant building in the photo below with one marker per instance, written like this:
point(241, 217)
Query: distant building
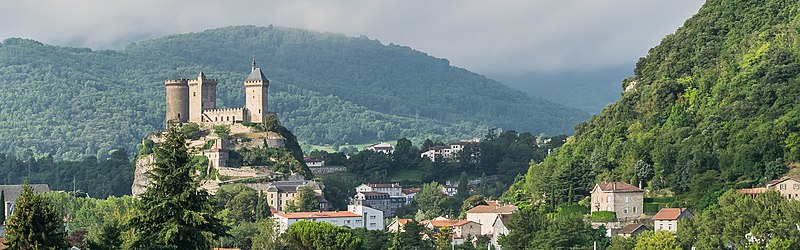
point(280, 193)
point(667, 218)
point(446, 151)
point(622, 198)
point(381, 201)
point(355, 217)
point(788, 186)
point(314, 162)
point(631, 230)
point(382, 147)
point(12, 193)
point(450, 189)
point(463, 230)
point(410, 193)
point(393, 189)
point(487, 214)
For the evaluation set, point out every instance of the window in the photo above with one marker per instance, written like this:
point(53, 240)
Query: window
point(372, 216)
point(782, 187)
point(634, 210)
point(796, 185)
point(627, 199)
point(608, 198)
point(346, 221)
point(625, 210)
point(372, 224)
point(358, 221)
point(194, 93)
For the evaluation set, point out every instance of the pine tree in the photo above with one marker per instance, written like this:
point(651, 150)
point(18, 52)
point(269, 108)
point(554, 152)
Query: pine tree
point(173, 213)
point(34, 224)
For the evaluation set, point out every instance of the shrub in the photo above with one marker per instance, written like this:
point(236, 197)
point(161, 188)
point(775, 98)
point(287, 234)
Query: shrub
point(603, 216)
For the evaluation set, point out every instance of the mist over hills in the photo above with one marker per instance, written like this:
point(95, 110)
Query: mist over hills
point(327, 88)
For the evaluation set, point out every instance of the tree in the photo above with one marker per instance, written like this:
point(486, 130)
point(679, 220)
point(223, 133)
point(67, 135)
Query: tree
point(661, 240)
point(523, 228)
point(429, 200)
point(410, 238)
point(622, 243)
point(321, 236)
point(306, 201)
point(463, 185)
point(222, 131)
point(444, 238)
point(267, 237)
point(108, 238)
point(243, 205)
point(471, 202)
point(34, 224)
point(173, 213)
point(373, 239)
point(191, 130)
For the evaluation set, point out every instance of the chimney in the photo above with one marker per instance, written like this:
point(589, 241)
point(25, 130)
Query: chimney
point(614, 185)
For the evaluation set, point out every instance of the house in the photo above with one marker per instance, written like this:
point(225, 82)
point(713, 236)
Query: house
point(344, 219)
point(463, 230)
point(280, 193)
point(446, 151)
point(355, 217)
point(381, 201)
point(397, 225)
point(12, 193)
point(372, 218)
point(667, 218)
point(314, 162)
point(621, 198)
point(631, 230)
point(788, 186)
point(410, 193)
point(499, 228)
point(393, 189)
point(382, 147)
point(487, 214)
point(450, 189)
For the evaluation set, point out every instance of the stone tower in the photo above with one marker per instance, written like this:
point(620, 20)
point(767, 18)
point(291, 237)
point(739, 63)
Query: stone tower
point(202, 96)
point(257, 91)
point(177, 100)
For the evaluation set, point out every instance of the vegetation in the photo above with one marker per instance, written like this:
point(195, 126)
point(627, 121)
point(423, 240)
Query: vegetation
point(306, 201)
point(714, 106)
point(327, 88)
point(172, 213)
point(35, 224)
point(321, 235)
point(530, 228)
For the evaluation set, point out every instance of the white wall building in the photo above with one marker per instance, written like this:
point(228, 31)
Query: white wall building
point(356, 217)
point(382, 147)
point(393, 189)
point(372, 218)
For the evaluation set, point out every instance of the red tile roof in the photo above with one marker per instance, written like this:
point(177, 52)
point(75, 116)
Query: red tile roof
point(447, 223)
point(497, 209)
point(618, 186)
point(312, 215)
point(404, 221)
point(782, 179)
point(669, 214)
point(630, 228)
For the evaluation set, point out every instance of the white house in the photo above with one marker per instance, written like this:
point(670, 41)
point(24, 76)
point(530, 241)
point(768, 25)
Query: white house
point(449, 189)
point(393, 189)
point(487, 214)
point(410, 193)
point(446, 151)
point(371, 219)
point(314, 162)
point(382, 147)
point(499, 229)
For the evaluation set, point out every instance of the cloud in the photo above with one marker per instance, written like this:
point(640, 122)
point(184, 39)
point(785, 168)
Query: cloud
point(486, 36)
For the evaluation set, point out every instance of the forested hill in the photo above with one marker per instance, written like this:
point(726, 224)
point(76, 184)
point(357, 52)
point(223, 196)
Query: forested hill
point(716, 105)
point(327, 88)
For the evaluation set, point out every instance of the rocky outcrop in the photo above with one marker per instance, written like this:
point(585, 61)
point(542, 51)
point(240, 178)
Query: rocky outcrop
point(140, 181)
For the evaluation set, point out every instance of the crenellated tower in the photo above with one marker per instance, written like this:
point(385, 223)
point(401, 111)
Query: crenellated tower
point(202, 96)
point(177, 100)
point(257, 92)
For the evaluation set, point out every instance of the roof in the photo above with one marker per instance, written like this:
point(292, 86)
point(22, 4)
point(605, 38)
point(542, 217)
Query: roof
point(630, 228)
point(256, 75)
point(782, 179)
point(504, 218)
point(312, 215)
point(403, 221)
point(496, 209)
point(290, 186)
point(310, 159)
point(447, 223)
point(375, 194)
point(201, 75)
point(669, 213)
point(411, 190)
point(12, 192)
point(381, 145)
point(383, 185)
point(618, 187)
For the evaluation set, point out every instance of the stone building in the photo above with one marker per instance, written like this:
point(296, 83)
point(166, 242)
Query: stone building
point(195, 100)
point(280, 193)
point(667, 218)
point(622, 198)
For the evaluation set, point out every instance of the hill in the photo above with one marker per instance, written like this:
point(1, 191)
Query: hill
point(714, 106)
point(327, 88)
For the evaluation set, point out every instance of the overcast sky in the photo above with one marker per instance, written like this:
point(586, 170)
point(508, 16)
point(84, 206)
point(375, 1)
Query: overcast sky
point(490, 36)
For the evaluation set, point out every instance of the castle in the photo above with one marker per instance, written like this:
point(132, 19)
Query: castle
point(195, 100)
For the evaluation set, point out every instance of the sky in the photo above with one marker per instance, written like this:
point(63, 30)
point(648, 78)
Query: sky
point(490, 36)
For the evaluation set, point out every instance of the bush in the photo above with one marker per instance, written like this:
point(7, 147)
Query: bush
point(603, 216)
point(651, 208)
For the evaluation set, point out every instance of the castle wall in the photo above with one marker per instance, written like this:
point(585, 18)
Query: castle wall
point(224, 116)
point(202, 96)
point(177, 100)
point(257, 93)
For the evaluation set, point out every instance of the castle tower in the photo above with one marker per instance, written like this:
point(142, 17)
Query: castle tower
point(257, 91)
point(202, 96)
point(177, 100)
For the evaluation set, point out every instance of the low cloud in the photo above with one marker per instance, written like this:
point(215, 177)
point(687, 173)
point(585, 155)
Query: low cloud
point(486, 36)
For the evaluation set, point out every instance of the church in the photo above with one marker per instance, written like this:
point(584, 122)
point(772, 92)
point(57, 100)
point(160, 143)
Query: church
point(195, 100)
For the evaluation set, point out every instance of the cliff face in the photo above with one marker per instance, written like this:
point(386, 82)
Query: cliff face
point(140, 180)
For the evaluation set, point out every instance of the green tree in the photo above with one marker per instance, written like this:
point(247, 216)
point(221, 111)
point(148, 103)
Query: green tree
point(524, 227)
point(35, 223)
point(444, 238)
point(429, 201)
point(173, 213)
point(471, 202)
point(463, 186)
point(321, 236)
point(661, 240)
point(373, 239)
point(411, 238)
point(243, 205)
point(222, 131)
point(108, 238)
point(267, 237)
point(191, 130)
point(306, 201)
point(622, 243)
